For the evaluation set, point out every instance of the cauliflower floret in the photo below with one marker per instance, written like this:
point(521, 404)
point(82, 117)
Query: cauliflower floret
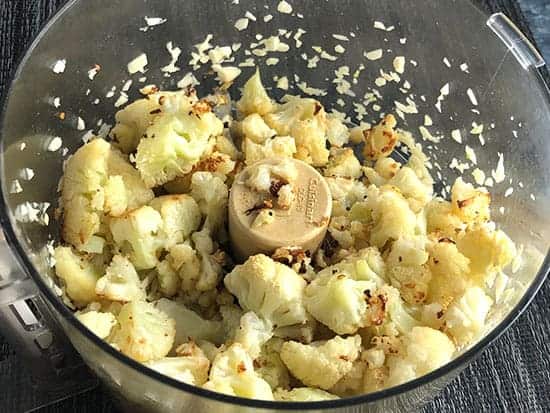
point(337, 133)
point(261, 177)
point(134, 119)
point(98, 180)
point(190, 367)
point(387, 168)
point(138, 235)
point(341, 296)
point(441, 220)
point(174, 144)
point(409, 184)
point(233, 373)
point(79, 274)
point(270, 289)
point(345, 193)
point(211, 193)
point(391, 215)
point(450, 270)
point(303, 394)
point(470, 204)
point(488, 251)
point(277, 147)
point(189, 325)
point(299, 332)
point(397, 318)
point(253, 127)
point(185, 260)
point(465, 318)
point(424, 350)
point(99, 323)
point(211, 261)
point(181, 216)
point(343, 163)
point(253, 333)
point(254, 97)
point(380, 141)
point(321, 364)
point(408, 269)
point(305, 120)
point(121, 282)
point(168, 279)
point(145, 333)
point(270, 366)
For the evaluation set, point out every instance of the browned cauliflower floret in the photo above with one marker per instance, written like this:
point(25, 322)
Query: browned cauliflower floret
point(98, 181)
point(380, 141)
point(470, 204)
point(441, 220)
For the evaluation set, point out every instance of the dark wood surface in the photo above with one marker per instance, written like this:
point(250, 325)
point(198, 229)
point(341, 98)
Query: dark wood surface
point(512, 376)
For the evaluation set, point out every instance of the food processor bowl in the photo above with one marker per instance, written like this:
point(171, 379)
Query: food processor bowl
point(462, 66)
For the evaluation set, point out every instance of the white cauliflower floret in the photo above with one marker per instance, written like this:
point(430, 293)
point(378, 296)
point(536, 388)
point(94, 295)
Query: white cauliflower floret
point(210, 263)
point(253, 127)
point(305, 120)
point(168, 279)
point(380, 141)
point(145, 333)
point(181, 216)
point(211, 193)
point(277, 147)
point(470, 204)
point(270, 289)
point(424, 350)
point(489, 251)
point(253, 333)
point(98, 180)
point(79, 274)
point(343, 163)
point(185, 260)
point(233, 373)
point(191, 366)
point(189, 325)
point(391, 215)
point(408, 269)
point(321, 364)
point(134, 119)
point(409, 184)
point(260, 177)
point(254, 97)
point(174, 144)
point(303, 394)
point(342, 296)
point(121, 282)
point(465, 318)
point(138, 235)
point(264, 217)
point(337, 133)
point(441, 220)
point(450, 270)
point(270, 366)
point(99, 323)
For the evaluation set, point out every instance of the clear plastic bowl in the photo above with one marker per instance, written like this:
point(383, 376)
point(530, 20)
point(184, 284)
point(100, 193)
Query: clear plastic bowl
point(502, 73)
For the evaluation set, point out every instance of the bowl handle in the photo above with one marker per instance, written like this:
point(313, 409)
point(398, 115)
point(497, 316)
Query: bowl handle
point(57, 371)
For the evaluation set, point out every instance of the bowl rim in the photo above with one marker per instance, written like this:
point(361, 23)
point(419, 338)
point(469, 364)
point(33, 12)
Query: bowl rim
point(26, 265)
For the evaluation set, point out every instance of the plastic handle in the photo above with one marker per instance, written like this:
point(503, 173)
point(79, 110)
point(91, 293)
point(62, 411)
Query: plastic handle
point(520, 46)
point(57, 371)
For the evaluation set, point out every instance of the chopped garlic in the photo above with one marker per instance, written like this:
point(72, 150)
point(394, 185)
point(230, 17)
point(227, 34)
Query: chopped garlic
point(456, 135)
point(59, 66)
point(447, 62)
point(308, 90)
point(80, 124)
point(284, 7)
point(341, 37)
point(471, 155)
point(122, 100)
point(399, 64)
point(472, 97)
point(92, 73)
point(241, 24)
point(508, 192)
point(175, 53)
point(339, 49)
point(282, 83)
point(55, 144)
point(188, 80)
point(154, 21)
point(268, 18)
point(272, 61)
point(498, 174)
point(226, 74)
point(464, 67)
point(138, 64)
point(427, 136)
point(56, 102)
point(428, 120)
point(16, 187)
point(479, 176)
point(476, 129)
point(374, 54)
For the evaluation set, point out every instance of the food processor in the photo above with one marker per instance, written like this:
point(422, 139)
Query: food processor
point(469, 69)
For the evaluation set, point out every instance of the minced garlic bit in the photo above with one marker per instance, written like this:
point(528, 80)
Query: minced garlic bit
point(55, 144)
point(447, 62)
point(188, 80)
point(92, 73)
point(272, 61)
point(80, 124)
point(175, 53)
point(32, 212)
point(464, 67)
point(241, 24)
point(226, 74)
point(508, 192)
point(26, 174)
point(59, 66)
point(284, 7)
point(122, 100)
point(250, 16)
point(456, 135)
point(268, 18)
point(341, 37)
point(138, 64)
point(498, 174)
point(374, 54)
point(308, 90)
point(477, 129)
point(154, 21)
point(479, 176)
point(428, 120)
point(282, 83)
point(16, 187)
point(339, 49)
point(399, 64)
point(427, 136)
point(471, 155)
point(472, 97)
point(56, 102)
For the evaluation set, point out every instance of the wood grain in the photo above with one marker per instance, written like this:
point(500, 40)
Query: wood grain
point(513, 375)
